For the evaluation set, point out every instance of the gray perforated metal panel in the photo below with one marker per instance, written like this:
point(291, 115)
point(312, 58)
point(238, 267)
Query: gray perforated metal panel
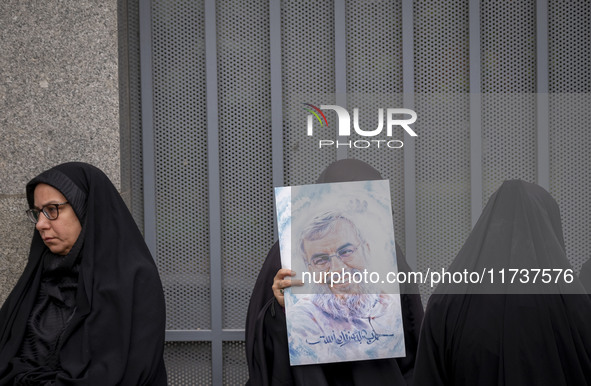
point(246, 184)
point(443, 145)
point(235, 370)
point(308, 66)
point(374, 55)
point(181, 161)
point(508, 67)
point(570, 178)
point(135, 118)
point(188, 363)
point(374, 80)
point(570, 114)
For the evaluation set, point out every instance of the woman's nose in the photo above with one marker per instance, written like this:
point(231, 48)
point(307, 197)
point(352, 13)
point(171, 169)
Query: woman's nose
point(42, 222)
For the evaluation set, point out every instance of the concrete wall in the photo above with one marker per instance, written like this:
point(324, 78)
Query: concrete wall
point(59, 102)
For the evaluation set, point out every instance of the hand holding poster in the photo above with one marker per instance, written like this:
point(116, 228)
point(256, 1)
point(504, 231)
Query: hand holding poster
point(339, 238)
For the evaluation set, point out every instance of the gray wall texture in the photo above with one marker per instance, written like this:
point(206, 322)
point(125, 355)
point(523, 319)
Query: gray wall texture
point(59, 102)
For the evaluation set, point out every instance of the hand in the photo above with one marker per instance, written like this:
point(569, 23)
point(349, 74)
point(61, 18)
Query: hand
point(280, 283)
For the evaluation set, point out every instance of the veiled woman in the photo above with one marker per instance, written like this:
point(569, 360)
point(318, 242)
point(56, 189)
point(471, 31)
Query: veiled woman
point(266, 332)
point(536, 331)
point(89, 306)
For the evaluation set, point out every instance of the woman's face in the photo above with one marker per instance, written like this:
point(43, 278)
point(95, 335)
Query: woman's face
point(60, 234)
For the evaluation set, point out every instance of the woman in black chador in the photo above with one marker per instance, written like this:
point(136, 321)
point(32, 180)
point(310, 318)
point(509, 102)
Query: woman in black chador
point(525, 333)
point(89, 307)
point(266, 332)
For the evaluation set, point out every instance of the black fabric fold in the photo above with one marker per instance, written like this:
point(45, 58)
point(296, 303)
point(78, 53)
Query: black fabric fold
point(52, 312)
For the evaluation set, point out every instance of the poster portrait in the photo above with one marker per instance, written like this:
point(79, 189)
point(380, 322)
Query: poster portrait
point(339, 239)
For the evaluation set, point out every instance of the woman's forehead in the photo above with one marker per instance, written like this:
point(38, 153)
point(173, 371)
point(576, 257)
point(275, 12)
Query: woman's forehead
point(45, 194)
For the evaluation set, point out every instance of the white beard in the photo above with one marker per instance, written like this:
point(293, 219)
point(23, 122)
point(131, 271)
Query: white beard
point(346, 306)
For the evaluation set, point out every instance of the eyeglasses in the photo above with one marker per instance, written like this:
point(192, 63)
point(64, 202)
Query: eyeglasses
point(51, 211)
point(323, 262)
